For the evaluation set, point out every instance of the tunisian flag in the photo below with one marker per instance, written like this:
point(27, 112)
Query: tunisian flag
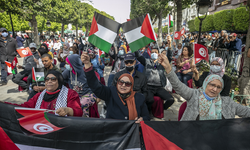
point(200, 52)
point(182, 31)
point(177, 35)
point(24, 52)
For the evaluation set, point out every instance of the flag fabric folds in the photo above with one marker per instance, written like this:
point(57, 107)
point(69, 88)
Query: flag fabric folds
point(101, 53)
point(37, 74)
point(103, 32)
point(177, 35)
point(11, 66)
point(24, 52)
point(77, 133)
point(139, 32)
point(170, 21)
point(200, 52)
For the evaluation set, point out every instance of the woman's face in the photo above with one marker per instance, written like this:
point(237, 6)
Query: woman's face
point(213, 88)
point(51, 83)
point(122, 88)
point(185, 51)
point(64, 46)
point(215, 63)
point(43, 47)
point(164, 53)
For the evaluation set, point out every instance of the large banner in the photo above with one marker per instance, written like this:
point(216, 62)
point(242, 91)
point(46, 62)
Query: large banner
point(77, 133)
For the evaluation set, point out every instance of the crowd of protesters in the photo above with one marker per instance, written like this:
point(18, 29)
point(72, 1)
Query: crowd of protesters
point(74, 76)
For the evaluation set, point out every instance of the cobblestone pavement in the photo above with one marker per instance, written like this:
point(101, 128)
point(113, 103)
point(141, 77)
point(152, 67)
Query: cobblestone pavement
point(11, 94)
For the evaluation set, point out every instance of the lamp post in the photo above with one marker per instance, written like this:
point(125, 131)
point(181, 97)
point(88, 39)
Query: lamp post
point(202, 6)
point(48, 25)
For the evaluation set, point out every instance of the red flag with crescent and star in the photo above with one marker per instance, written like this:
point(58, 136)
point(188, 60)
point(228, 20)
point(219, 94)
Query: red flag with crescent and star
point(200, 52)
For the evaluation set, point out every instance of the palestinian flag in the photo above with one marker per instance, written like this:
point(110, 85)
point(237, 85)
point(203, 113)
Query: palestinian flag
point(139, 32)
point(101, 53)
point(103, 32)
point(75, 133)
point(170, 21)
point(11, 66)
point(37, 74)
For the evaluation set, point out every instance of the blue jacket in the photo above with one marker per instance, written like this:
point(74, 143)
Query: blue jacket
point(115, 107)
point(96, 65)
point(80, 75)
point(19, 41)
point(235, 45)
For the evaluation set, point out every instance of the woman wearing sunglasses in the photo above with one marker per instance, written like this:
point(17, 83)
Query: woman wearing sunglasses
point(122, 102)
point(56, 97)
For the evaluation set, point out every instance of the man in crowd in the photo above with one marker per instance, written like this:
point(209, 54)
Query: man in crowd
point(48, 65)
point(156, 79)
point(8, 46)
point(140, 80)
point(28, 64)
point(234, 45)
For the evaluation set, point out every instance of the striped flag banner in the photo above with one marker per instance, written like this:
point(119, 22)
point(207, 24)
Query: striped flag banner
point(139, 32)
point(103, 32)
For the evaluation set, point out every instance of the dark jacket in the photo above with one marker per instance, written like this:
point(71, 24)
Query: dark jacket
point(81, 82)
point(140, 81)
point(227, 83)
point(115, 107)
point(29, 63)
point(235, 45)
point(19, 41)
point(148, 66)
point(8, 50)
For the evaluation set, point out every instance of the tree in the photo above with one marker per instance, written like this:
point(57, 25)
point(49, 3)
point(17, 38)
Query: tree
point(244, 81)
point(157, 9)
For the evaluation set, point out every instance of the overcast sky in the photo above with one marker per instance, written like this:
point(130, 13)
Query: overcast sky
point(120, 9)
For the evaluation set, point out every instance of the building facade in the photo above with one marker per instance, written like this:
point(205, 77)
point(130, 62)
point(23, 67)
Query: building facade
point(219, 5)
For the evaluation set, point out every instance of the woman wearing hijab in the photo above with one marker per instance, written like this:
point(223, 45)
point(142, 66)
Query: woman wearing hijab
point(216, 67)
point(47, 49)
point(97, 63)
point(63, 53)
point(56, 97)
point(19, 40)
point(205, 103)
point(76, 79)
point(122, 102)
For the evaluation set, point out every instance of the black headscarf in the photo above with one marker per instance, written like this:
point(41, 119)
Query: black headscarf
point(46, 47)
point(48, 97)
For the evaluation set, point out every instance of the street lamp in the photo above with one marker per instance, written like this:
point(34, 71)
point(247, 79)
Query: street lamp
point(48, 25)
point(202, 6)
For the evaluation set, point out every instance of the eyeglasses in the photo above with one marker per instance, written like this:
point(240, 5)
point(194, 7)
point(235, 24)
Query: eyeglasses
point(127, 84)
point(214, 86)
point(53, 79)
point(129, 62)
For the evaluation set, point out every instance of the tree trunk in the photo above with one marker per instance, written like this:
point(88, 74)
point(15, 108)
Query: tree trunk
point(179, 16)
point(174, 18)
point(76, 31)
point(62, 30)
point(87, 30)
point(244, 80)
point(159, 40)
point(34, 23)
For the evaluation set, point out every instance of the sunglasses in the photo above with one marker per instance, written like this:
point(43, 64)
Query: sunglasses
point(129, 62)
point(53, 79)
point(127, 84)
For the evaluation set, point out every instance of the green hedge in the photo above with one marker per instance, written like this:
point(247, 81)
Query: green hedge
point(231, 20)
point(241, 19)
point(223, 20)
point(191, 26)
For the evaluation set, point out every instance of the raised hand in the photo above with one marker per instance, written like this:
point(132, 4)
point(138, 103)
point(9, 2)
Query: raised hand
point(163, 60)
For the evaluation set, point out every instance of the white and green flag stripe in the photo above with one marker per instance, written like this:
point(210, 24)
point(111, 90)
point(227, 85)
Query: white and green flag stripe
point(103, 32)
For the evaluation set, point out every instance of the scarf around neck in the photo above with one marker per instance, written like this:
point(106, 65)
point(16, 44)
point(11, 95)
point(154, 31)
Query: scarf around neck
point(129, 99)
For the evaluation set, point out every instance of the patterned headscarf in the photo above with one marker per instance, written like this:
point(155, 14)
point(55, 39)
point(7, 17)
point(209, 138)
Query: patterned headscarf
point(220, 61)
point(210, 109)
point(66, 51)
point(210, 78)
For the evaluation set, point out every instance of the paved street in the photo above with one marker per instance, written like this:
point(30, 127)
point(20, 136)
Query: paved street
point(10, 93)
